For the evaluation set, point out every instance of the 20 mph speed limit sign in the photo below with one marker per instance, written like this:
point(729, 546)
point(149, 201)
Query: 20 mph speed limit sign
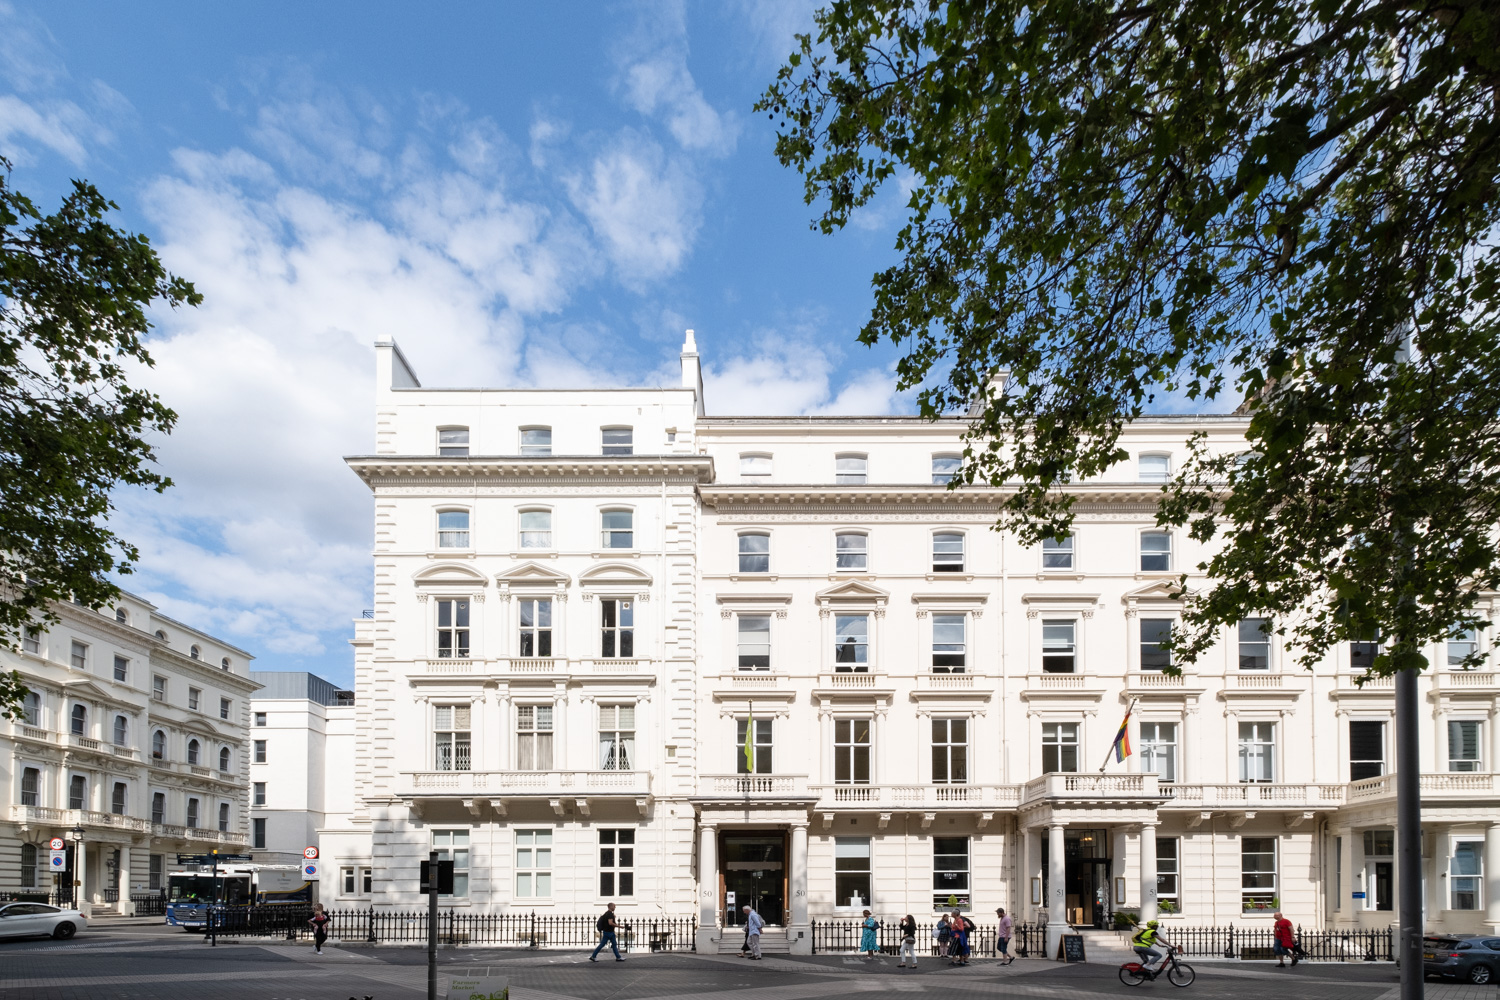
point(310, 854)
point(56, 844)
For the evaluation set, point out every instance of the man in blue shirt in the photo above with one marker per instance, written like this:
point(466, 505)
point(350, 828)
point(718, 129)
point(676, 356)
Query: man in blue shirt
point(753, 924)
point(605, 925)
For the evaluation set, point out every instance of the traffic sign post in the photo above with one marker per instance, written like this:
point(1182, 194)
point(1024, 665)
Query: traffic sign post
point(310, 853)
point(311, 870)
point(56, 844)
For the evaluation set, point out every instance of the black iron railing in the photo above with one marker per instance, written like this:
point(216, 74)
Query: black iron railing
point(149, 904)
point(843, 936)
point(36, 896)
point(515, 930)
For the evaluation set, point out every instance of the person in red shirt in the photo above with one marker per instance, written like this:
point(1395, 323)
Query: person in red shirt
point(1283, 942)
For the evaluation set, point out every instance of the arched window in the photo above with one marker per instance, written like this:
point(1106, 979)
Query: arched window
point(79, 721)
point(121, 615)
point(122, 730)
point(536, 529)
point(224, 759)
point(453, 529)
point(161, 635)
point(158, 745)
point(195, 653)
point(192, 751)
point(117, 799)
point(224, 664)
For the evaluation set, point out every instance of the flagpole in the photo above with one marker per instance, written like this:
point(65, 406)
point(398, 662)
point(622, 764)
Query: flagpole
point(1129, 711)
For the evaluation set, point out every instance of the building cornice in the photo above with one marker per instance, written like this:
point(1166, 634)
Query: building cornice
point(826, 496)
point(379, 470)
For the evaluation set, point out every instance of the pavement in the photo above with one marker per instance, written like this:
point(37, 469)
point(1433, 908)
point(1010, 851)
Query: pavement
point(141, 961)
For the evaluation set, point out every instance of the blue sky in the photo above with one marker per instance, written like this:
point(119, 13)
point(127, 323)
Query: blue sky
point(522, 194)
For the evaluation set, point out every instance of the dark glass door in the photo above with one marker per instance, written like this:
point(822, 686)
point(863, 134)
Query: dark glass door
point(753, 871)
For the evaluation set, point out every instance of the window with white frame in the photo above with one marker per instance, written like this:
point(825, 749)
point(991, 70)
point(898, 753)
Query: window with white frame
point(31, 786)
point(1255, 644)
point(851, 470)
point(78, 655)
point(945, 468)
point(1465, 875)
point(1258, 872)
point(194, 752)
point(617, 738)
point(31, 709)
point(754, 642)
point(122, 668)
point(948, 552)
point(453, 845)
point(453, 629)
point(616, 863)
point(536, 529)
point(450, 737)
point(950, 751)
point(618, 529)
point(1257, 751)
point(158, 807)
point(1059, 747)
point(224, 708)
point(117, 799)
point(1155, 634)
point(534, 864)
point(1059, 646)
point(950, 873)
point(453, 529)
point(122, 731)
point(358, 881)
point(755, 466)
point(536, 627)
point(1153, 468)
point(258, 793)
point(260, 751)
point(1057, 553)
point(851, 871)
point(260, 719)
point(1156, 552)
point(755, 552)
point(1463, 745)
point(1462, 642)
point(534, 737)
point(618, 440)
point(851, 552)
point(536, 441)
point(851, 642)
point(192, 813)
point(1362, 653)
point(122, 616)
point(78, 792)
point(617, 628)
point(761, 758)
point(1159, 749)
point(31, 641)
point(78, 721)
point(851, 751)
point(156, 867)
point(195, 698)
point(158, 745)
point(1168, 868)
point(158, 688)
point(1366, 749)
point(949, 649)
point(453, 441)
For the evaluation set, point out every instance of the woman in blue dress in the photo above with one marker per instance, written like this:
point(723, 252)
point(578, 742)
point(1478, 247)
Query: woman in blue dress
point(867, 939)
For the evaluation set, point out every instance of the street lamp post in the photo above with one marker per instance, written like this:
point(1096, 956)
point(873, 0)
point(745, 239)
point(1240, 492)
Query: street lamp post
point(77, 834)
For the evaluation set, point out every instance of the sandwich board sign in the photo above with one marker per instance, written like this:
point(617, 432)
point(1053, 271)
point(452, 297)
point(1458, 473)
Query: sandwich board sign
point(478, 988)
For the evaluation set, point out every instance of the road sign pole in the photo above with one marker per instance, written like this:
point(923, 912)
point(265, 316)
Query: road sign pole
point(432, 919)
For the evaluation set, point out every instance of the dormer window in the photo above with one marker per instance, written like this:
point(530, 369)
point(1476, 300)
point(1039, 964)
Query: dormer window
point(195, 653)
point(453, 441)
point(121, 615)
point(618, 441)
point(851, 470)
point(536, 440)
point(1154, 468)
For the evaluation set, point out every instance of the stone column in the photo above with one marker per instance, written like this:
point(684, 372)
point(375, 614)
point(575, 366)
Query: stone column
point(1148, 871)
point(1492, 878)
point(798, 932)
point(1057, 887)
point(708, 890)
point(1343, 883)
point(81, 899)
point(125, 907)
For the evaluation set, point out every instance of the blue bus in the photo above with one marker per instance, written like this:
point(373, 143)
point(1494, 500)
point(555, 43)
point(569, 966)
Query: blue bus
point(234, 889)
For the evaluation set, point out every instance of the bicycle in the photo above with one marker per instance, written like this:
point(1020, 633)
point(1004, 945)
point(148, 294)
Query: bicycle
point(1178, 973)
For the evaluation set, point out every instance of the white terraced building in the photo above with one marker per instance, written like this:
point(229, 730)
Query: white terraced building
point(134, 734)
point(583, 600)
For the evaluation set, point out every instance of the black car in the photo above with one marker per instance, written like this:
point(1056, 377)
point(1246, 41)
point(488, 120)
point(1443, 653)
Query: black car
point(1469, 958)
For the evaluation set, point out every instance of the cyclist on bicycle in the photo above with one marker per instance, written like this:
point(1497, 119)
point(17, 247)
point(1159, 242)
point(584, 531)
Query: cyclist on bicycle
point(1145, 941)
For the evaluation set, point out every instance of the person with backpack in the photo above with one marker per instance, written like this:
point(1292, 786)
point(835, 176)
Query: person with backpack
point(1145, 941)
point(962, 928)
point(908, 942)
point(605, 925)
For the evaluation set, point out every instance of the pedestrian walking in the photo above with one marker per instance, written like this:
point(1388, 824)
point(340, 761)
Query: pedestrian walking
point(319, 921)
point(908, 942)
point(962, 928)
point(606, 925)
point(1282, 941)
point(867, 938)
point(941, 936)
point(1002, 936)
point(754, 923)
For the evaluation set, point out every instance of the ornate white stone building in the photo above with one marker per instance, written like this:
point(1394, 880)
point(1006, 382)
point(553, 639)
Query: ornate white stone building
point(588, 603)
point(134, 732)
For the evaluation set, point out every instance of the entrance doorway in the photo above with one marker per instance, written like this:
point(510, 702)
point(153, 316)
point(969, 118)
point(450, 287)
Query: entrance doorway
point(1380, 885)
point(1087, 868)
point(753, 872)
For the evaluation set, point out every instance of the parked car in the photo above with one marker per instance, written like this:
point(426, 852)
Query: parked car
point(40, 920)
point(1468, 958)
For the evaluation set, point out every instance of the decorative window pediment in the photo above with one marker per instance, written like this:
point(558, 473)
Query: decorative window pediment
point(1158, 592)
point(449, 575)
point(615, 574)
point(854, 592)
point(534, 574)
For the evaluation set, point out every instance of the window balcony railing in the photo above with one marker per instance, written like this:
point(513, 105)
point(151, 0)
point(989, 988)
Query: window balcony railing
point(1465, 680)
point(523, 784)
point(1251, 795)
point(753, 786)
point(1435, 786)
point(976, 796)
point(1091, 786)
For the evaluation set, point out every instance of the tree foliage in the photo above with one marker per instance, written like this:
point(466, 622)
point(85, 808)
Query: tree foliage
point(1129, 204)
point(73, 297)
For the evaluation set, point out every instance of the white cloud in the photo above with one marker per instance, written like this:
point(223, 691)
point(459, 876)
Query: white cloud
point(789, 374)
point(62, 127)
point(654, 80)
point(774, 24)
point(643, 206)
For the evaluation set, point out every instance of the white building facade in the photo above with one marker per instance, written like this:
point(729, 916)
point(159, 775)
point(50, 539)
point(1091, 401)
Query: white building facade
point(622, 651)
point(293, 717)
point(134, 733)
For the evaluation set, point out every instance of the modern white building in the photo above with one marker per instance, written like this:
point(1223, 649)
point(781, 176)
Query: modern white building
point(293, 717)
point(134, 735)
point(588, 603)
